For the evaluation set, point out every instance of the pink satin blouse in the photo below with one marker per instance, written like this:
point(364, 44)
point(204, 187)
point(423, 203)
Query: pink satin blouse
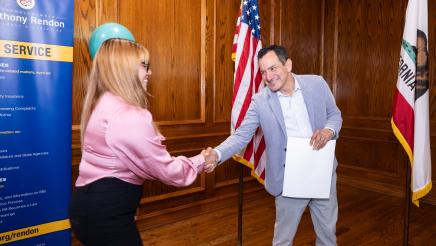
point(120, 141)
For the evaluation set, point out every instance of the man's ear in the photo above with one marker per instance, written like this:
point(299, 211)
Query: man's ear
point(288, 65)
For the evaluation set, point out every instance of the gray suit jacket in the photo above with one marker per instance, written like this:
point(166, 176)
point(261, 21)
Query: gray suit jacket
point(265, 111)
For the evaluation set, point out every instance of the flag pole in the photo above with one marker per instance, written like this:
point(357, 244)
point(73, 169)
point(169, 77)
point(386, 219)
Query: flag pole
point(407, 205)
point(240, 203)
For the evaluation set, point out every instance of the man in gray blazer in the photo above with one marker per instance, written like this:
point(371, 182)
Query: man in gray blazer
point(289, 106)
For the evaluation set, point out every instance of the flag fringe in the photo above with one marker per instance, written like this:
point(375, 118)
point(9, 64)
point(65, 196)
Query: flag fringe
point(416, 195)
point(250, 165)
point(421, 193)
point(403, 141)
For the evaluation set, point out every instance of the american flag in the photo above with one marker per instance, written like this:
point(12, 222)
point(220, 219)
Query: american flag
point(247, 82)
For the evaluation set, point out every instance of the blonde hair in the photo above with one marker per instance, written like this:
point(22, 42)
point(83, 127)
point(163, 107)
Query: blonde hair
point(115, 69)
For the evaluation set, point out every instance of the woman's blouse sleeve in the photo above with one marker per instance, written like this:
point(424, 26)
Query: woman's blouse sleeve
point(133, 138)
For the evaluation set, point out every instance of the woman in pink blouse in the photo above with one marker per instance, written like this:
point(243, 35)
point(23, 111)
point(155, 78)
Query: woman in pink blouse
point(121, 147)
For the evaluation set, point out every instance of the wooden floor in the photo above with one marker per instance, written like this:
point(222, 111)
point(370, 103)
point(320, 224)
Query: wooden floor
point(365, 218)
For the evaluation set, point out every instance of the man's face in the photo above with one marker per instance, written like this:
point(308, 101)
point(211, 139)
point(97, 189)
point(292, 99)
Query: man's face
point(274, 73)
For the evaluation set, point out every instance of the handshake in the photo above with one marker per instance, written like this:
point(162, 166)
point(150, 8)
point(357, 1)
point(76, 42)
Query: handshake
point(211, 159)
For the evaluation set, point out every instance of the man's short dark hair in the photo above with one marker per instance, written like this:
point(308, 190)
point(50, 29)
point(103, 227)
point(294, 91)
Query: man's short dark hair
point(280, 51)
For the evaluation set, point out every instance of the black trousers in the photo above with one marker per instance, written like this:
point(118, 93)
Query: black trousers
point(102, 213)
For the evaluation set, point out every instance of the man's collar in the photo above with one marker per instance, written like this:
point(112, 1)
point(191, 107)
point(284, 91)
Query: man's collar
point(296, 87)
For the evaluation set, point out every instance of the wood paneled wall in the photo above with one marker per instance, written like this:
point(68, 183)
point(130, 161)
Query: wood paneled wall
point(368, 35)
point(190, 49)
point(354, 44)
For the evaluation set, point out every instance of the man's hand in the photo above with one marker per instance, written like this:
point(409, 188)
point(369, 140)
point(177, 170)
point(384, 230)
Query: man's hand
point(211, 160)
point(320, 138)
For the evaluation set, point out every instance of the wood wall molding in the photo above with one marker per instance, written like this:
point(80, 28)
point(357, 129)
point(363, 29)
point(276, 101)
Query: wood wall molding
point(378, 186)
point(174, 32)
point(84, 21)
point(225, 14)
point(301, 34)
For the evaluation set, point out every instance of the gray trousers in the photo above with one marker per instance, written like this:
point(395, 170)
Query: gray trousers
point(324, 213)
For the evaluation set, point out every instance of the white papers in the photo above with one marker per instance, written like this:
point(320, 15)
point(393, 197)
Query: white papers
point(308, 172)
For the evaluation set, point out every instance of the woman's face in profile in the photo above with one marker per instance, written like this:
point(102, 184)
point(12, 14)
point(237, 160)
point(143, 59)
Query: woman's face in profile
point(144, 72)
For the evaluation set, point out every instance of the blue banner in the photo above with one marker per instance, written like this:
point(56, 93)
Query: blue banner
point(36, 55)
